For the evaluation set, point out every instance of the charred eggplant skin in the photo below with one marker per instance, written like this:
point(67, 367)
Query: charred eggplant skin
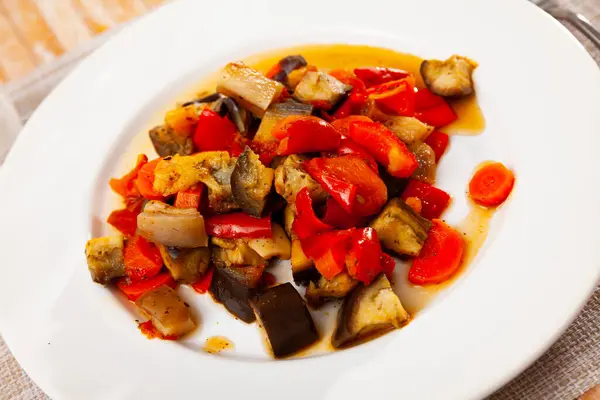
point(288, 323)
point(233, 294)
point(251, 183)
point(167, 142)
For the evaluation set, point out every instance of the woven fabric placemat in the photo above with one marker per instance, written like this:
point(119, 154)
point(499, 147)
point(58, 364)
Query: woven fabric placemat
point(569, 368)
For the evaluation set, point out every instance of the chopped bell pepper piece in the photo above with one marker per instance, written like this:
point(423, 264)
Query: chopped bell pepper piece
point(437, 116)
point(305, 134)
point(336, 216)
point(438, 141)
point(142, 259)
point(328, 251)
point(134, 290)
point(145, 181)
point(238, 225)
point(306, 223)
point(364, 261)
point(433, 200)
point(374, 76)
point(203, 284)
point(214, 132)
point(396, 97)
point(190, 198)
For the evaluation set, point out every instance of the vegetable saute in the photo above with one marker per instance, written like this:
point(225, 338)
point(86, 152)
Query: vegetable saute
point(334, 170)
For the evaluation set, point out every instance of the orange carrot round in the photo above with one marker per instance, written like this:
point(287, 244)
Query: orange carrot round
point(491, 184)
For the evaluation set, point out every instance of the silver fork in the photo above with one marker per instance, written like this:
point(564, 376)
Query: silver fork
point(553, 8)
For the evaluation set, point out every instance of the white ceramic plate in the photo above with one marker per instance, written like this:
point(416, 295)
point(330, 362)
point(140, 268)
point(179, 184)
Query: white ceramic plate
point(540, 93)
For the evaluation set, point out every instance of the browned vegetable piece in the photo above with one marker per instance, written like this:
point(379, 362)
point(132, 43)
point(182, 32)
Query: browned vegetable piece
point(213, 168)
point(276, 113)
point(290, 178)
point(229, 252)
point(168, 143)
point(276, 246)
point(303, 269)
point(400, 229)
point(452, 77)
point(251, 89)
point(168, 313)
point(172, 226)
point(105, 258)
point(426, 158)
point(185, 265)
point(320, 89)
point(234, 286)
point(338, 287)
point(368, 312)
point(251, 183)
point(286, 320)
point(408, 129)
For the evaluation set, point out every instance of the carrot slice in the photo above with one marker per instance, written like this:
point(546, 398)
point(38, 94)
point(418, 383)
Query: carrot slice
point(142, 259)
point(145, 181)
point(440, 257)
point(491, 184)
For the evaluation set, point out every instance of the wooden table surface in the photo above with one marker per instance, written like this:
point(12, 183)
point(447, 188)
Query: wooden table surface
point(35, 32)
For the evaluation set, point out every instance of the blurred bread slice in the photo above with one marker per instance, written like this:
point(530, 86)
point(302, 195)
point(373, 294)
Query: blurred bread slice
point(94, 14)
point(15, 58)
point(124, 10)
point(68, 26)
point(34, 30)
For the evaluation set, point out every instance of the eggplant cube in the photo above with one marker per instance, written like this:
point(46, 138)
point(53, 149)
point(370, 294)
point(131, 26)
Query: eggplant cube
point(286, 320)
point(234, 286)
point(105, 258)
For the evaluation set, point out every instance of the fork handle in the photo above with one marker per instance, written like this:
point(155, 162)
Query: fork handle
point(585, 26)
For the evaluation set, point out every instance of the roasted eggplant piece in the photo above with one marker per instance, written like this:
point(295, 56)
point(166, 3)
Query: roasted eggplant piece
point(426, 158)
point(368, 312)
point(105, 258)
point(185, 265)
point(276, 246)
point(167, 142)
point(251, 183)
point(251, 89)
point(303, 268)
point(286, 320)
point(337, 288)
point(213, 168)
point(168, 313)
point(287, 65)
point(204, 99)
point(290, 178)
point(234, 286)
point(408, 129)
point(452, 77)
point(172, 226)
point(227, 252)
point(226, 106)
point(400, 229)
point(320, 89)
point(276, 113)
point(395, 186)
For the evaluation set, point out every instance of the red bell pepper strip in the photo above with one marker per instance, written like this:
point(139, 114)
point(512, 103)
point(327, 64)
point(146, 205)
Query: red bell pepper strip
point(134, 290)
point(364, 261)
point(238, 145)
point(328, 251)
point(203, 284)
point(440, 257)
point(306, 223)
point(351, 182)
point(125, 186)
point(388, 264)
point(425, 99)
point(336, 216)
point(142, 259)
point(343, 124)
point(437, 116)
point(350, 147)
point(357, 98)
point(145, 181)
point(390, 151)
point(347, 77)
point(438, 141)
point(274, 70)
point(190, 198)
point(125, 220)
point(377, 75)
point(434, 201)
point(238, 225)
point(266, 150)
point(396, 97)
point(305, 134)
point(214, 132)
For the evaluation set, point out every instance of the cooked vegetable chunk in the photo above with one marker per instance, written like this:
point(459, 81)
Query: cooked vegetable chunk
point(172, 226)
point(234, 286)
point(213, 168)
point(167, 142)
point(286, 320)
point(408, 129)
point(168, 313)
point(400, 229)
point(290, 178)
point(105, 258)
point(277, 246)
point(251, 89)
point(320, 89)
point(449, 78)
point(185, 265)
point(336, 288)
point(427, 168)
point(251, 183)
point(276, 113)
point(234, 252)
point(369, 311)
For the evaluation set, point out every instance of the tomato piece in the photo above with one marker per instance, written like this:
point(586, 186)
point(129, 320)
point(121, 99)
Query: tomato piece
point(440, 257)
point(134, 290)
point(434, 201)
point(491, 184)
point(142, 259)
point(214, 132)
point(351, 182)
